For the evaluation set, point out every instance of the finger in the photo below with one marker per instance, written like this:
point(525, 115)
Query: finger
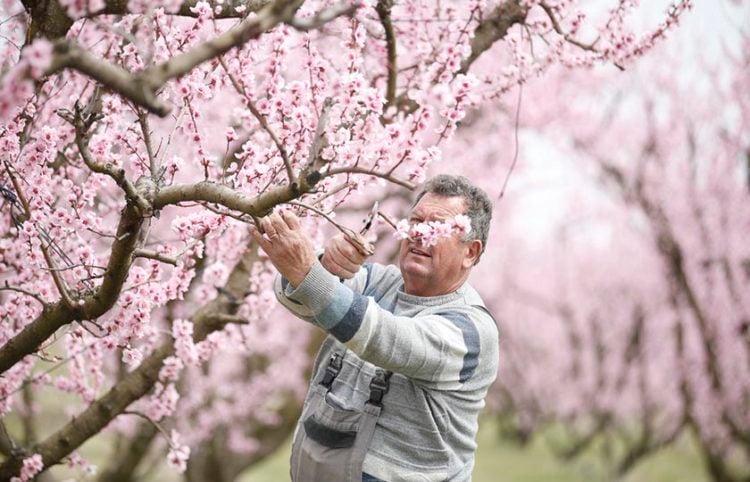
point(278, 223)
point(362, 248)
point(346, 275)
point(342, 260)
point(262, 242)
point(290, 219)
point(341, 271)
point(268, 228)
point(348, 248)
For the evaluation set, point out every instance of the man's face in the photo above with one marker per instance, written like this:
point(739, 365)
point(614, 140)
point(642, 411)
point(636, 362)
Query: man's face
point(442, 268)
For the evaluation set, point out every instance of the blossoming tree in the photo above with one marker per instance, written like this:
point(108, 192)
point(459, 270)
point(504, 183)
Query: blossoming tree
point(139, 139)
point(628, 324)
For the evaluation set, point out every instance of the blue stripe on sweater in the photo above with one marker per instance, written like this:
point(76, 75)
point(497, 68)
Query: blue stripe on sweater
point(339, 306)
point(471, 339)
point(352, 320)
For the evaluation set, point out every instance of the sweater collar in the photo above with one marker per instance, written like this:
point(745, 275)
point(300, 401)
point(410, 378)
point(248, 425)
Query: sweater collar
point(432, 300)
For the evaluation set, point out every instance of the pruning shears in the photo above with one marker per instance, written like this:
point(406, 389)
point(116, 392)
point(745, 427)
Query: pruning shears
point(358, 239)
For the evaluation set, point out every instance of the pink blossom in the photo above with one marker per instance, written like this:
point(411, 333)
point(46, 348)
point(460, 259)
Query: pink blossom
point(178, 453)
point(31, 467)
point(132, 357)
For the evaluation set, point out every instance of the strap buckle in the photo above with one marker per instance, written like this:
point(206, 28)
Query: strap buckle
point(379, 387)
point(332, 370)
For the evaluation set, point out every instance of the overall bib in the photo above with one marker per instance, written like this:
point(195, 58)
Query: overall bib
point(331, 443)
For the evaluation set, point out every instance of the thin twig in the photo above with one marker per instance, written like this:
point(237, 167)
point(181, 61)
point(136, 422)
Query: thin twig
point(145, 253)
point(8, 287)
point(569, 38)
point(152, 422)
point(355, 238)
point(515, 133)
point(338, 226)
point(364, 170)
point(262, 120)
point(388, 220)
point(143, 122)
point(59, 282)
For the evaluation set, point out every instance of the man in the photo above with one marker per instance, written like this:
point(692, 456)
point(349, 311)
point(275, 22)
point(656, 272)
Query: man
point(399, 382)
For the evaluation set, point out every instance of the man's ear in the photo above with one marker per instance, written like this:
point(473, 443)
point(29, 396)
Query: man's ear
point(472, 255)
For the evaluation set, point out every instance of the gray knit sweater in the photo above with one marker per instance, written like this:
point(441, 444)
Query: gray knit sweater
point(443, 351)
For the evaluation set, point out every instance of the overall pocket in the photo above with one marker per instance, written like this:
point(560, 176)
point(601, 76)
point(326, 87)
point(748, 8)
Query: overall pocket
point(323, 447)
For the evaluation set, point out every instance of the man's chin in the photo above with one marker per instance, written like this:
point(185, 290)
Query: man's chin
point(414, 268)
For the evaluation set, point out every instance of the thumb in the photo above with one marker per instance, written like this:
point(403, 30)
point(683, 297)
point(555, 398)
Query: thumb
point(364, 247)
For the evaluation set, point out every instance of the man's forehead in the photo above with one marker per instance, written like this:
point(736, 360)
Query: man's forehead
point(432, 204)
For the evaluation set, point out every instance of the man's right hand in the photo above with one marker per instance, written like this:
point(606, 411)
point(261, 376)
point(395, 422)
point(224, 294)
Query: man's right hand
point(342, 258)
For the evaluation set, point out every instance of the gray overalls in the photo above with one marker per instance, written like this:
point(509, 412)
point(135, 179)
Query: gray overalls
point(331, 443)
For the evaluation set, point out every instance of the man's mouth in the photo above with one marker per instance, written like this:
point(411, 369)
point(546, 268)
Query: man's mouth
point(419, 252)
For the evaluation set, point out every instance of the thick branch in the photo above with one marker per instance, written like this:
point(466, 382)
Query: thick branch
point(94, 305)
point(227, 9)
point(82, 123)
point(384, 13)
point(123, 467)
point(269, 17)
point(323, 17)
point(49, 19)
point(493, 28)
point(207, 191)
point(142, 88)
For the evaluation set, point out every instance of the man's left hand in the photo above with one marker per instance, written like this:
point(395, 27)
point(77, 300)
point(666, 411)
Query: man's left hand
point(287, 245)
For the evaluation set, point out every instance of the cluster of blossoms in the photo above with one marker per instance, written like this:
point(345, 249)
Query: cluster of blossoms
point(178, 453)
point(31, 466)
point(430, 232)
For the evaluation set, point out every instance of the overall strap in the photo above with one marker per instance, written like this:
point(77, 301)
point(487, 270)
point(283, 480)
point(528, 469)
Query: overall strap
point(379, 386)
point(332, 370)
point(484, 308)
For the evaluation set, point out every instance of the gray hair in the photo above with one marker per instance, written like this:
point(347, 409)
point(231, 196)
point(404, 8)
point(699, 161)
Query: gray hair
point(478, 204)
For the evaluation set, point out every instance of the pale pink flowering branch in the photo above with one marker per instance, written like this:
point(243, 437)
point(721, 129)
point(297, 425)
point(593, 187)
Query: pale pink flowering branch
point(140, 381)
point(429, 233)
point(142, 88)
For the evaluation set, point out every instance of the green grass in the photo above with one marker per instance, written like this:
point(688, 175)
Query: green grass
point(502, 461)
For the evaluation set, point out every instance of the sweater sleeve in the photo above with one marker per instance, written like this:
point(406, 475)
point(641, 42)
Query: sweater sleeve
point(442, 349)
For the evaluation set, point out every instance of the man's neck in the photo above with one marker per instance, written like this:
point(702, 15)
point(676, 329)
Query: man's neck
point(425, 288)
